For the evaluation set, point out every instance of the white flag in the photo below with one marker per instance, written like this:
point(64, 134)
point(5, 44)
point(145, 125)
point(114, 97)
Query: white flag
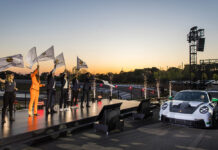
point(81, 64)
point(107, 83)
point(11, 61)
point(59, 60)
point(31, 57)
point(47, 55)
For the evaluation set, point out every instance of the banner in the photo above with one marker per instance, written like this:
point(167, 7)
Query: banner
point(81, 64)
point(59, 61)
point(31, 57)
point(11, 61)
point(47, 55)
point(107, 83)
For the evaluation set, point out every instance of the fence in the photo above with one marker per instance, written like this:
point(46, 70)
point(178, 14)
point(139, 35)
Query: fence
point(127, 92)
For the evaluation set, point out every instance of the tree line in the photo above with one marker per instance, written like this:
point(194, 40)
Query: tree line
point(137, 76)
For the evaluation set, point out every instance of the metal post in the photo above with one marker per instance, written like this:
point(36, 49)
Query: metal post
point(25, 99)
point(145, 86)
point(102, 94)
point(94, 89)
point(158, 89)
point(170, 88)
point(141, 93)
point(111, 92)
point(131, 94)
point(111, 88)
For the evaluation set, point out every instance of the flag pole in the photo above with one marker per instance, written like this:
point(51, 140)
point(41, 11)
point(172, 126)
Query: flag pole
point(64, 63)
point(54, 69)
point(37, 61)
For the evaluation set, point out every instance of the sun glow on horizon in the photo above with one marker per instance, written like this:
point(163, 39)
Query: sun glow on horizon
point(109, 36)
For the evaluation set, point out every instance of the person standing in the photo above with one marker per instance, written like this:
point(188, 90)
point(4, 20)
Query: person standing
point(86, 91)
point(64, 92)
point(34, 92)
point(51, 89)
point(75, 91)
point(9, 96)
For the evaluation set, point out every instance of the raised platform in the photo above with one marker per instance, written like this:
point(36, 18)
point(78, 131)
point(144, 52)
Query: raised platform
point(24, 127)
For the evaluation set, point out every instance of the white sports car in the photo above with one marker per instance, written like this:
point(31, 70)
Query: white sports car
point(190, 107)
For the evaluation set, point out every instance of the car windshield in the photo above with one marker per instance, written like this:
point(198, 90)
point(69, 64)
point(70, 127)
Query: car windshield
point(192, 96)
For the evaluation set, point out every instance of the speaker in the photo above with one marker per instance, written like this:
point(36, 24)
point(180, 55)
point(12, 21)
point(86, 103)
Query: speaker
point(103, 116)
point(109, 118)
point(143, 110)
point(200, 44)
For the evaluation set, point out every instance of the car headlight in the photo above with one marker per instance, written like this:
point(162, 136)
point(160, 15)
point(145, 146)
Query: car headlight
point(204, 109)
point(164, 106)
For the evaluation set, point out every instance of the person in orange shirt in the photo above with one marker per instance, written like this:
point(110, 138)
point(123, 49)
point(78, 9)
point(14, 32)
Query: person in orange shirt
point(34, 91)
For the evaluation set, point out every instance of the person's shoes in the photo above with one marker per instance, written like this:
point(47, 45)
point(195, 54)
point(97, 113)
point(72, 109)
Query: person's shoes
point(36, 115)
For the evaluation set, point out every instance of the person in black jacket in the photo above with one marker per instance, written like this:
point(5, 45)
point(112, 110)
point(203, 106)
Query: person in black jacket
point(51, 83)
point(64, 91)
point(9, 96)
point(75, 91)
point(86, 91)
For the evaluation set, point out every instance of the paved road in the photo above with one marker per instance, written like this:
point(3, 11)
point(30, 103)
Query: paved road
point(139, 135)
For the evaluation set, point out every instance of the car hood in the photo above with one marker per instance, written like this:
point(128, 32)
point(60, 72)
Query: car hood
point(191, 103)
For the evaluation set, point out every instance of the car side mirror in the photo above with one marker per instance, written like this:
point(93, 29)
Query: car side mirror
point(214, 100)
point(170, 98)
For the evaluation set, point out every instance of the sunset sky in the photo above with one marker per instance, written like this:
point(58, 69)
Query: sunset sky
point(109, 35)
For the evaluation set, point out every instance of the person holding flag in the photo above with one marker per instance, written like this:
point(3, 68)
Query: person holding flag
point(86, 86)
point(51, 90)
point(64, 91)
point(9, 95)
point(51, 83)
point(59, 62)
point(86, 91)
point(34, 91)
point(9, 83)
point(75, 90)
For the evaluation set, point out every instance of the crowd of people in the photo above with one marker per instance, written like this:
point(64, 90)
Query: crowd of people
point(66, 85)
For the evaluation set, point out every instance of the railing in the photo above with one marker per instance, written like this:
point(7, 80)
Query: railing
point(102, 92)
point(22, 97)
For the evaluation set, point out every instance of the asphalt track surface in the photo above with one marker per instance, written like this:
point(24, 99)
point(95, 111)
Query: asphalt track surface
point(137, 135)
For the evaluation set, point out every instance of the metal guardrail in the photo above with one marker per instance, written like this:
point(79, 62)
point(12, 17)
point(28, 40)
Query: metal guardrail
point(123, 92)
